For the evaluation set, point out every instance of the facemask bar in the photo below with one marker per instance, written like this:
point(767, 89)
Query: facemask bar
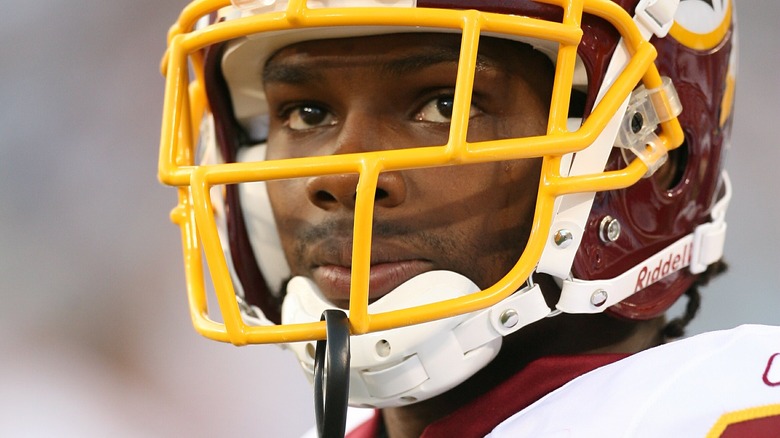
point(184, 104)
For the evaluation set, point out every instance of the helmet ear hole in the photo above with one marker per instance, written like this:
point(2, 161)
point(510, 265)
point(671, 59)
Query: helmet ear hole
point(671, 174)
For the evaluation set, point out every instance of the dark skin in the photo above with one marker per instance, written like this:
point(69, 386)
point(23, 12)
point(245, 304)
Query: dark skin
point(374, 93)
point(401, 101)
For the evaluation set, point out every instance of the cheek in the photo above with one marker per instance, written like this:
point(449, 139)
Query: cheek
point(285, 210)
point(484, 211)
point(502, 190)
point(504, 217)
point(278, 201)
point(520, 184)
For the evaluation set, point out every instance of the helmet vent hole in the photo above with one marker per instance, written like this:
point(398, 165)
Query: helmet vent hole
point(383, 348)
point(637, 122)
point(676, 165)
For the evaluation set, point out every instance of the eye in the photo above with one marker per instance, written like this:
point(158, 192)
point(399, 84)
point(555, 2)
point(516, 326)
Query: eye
point(439, 110)
point(307, 116)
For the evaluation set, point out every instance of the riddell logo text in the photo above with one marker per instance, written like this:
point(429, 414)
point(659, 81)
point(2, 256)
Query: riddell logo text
point(675, 261)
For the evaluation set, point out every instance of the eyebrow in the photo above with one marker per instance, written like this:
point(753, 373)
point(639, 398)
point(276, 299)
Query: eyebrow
point(408, 64)
point(302, 73)
point(289, 74)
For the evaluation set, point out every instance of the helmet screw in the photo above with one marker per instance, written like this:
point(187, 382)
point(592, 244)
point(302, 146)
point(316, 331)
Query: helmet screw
point(563, 238)
point(609, 229)
point(599, 298)
point(509, 318)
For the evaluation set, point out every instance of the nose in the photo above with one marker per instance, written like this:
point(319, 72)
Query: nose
point(331, 192)
point(358, 134)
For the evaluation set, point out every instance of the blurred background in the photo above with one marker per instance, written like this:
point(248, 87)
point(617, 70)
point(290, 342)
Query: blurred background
point(95, 339)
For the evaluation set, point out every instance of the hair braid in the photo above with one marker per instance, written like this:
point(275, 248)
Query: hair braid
point(676, 327)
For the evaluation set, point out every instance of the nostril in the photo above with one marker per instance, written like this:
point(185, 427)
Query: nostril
point(329, 192)
point(322, 196)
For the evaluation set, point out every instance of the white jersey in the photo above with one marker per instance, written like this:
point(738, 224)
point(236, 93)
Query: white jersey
point(717, 384)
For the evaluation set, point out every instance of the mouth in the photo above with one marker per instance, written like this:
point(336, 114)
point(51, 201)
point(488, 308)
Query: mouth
point(334, 280)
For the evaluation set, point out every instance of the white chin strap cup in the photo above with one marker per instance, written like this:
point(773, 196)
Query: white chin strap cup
point(413, 363)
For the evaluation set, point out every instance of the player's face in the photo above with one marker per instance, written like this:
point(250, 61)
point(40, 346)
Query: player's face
point(395, 91)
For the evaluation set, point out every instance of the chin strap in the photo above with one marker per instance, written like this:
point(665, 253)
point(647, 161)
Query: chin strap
point(695, 251)
point(331, 376)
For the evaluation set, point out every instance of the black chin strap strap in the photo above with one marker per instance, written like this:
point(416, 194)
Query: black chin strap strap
point(331, 376)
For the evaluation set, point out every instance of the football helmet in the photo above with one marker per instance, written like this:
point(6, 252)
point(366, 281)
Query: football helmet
point(636, 83)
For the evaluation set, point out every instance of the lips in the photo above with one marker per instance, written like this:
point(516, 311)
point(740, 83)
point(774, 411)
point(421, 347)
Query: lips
point(334, 279)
